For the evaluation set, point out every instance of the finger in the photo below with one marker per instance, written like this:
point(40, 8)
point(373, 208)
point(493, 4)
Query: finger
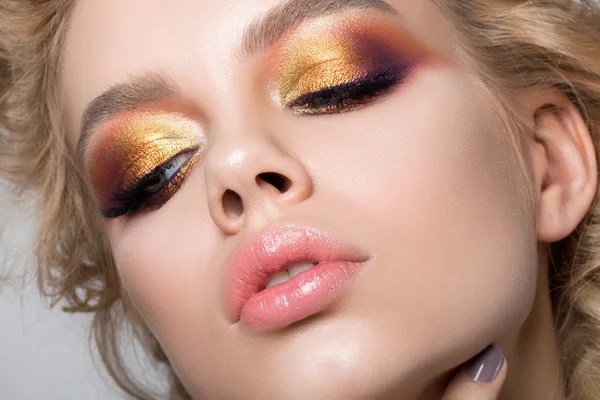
point(481, 379)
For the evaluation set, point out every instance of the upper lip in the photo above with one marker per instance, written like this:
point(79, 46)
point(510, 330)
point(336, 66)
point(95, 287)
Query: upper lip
point(259, 258)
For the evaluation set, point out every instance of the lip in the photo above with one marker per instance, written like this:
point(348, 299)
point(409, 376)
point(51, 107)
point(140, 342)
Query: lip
point(261, 257)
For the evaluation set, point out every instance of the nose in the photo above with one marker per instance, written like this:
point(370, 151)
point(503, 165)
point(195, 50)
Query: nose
point(251, 177)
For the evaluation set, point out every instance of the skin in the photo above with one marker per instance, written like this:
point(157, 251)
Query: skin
point(421, 179)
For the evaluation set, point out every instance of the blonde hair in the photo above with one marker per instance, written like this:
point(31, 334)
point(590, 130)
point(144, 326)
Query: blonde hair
point(511, 44)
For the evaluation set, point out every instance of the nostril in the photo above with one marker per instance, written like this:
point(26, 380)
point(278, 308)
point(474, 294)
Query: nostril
point(232, 204)
point(280, 182)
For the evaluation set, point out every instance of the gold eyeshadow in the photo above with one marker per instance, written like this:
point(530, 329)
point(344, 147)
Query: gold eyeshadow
point(335, 51)
point(332, 64)
point(134, 144)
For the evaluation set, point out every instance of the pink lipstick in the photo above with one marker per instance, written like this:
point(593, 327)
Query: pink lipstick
point(318, 265)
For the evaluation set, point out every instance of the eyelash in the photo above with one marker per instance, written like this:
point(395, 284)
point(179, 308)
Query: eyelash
point(349, 95)
point(336, 99)
point(136, 197)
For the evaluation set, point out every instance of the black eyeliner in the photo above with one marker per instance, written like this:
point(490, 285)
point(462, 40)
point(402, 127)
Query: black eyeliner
point(337, 98)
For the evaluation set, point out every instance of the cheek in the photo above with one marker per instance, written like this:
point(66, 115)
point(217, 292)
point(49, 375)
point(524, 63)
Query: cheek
point(441, 203)
point(163, 259)
point(463, 244)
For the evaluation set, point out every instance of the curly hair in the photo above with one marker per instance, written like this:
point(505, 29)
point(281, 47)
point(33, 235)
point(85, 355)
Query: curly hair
point(509, 45)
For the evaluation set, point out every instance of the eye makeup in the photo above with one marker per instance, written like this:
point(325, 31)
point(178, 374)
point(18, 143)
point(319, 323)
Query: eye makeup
point(330, 65)
point(139, 159)
point(337, 64)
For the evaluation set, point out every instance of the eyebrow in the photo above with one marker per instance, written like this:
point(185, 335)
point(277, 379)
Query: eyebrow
point(258, 35)
point(139, 90)
point(268, 28)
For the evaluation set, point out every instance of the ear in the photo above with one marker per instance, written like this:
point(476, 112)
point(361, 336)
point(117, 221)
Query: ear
point(564, 163)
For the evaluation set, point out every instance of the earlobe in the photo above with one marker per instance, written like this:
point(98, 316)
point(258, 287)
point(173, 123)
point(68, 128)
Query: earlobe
point(564, 164)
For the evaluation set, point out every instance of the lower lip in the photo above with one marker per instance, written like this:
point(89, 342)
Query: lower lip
point(302, 296)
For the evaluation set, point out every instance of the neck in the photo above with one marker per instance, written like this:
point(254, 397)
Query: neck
point(533, 358)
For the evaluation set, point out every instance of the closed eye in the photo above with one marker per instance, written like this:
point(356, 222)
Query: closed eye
point(153, 190)
point(349, 95)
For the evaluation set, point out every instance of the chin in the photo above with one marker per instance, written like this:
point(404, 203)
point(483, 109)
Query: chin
point(351, 359)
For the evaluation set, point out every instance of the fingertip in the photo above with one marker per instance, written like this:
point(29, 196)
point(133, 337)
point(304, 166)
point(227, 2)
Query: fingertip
point(480, 379)
point(487, 365)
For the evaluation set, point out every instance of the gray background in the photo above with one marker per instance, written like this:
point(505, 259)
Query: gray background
point(44, 354)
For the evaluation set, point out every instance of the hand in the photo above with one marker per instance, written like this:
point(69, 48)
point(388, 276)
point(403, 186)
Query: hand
point(481, 379)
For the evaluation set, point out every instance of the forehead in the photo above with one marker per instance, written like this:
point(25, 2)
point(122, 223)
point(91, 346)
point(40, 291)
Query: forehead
point(194, 42)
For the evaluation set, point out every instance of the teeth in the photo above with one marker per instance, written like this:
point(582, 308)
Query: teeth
point(278, 278)
point(289, 273)
point(297, 268)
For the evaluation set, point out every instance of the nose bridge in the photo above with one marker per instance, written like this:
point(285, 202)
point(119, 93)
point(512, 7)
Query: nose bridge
point(248, 173)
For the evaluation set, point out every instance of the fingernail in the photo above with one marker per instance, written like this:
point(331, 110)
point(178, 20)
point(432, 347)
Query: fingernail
point(486, 366)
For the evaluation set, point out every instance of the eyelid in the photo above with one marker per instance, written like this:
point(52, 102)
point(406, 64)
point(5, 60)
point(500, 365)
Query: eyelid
point(134, 144)
point(338, 50)
point(134, 198)
point(349, 96)
point(154, 154)
point(326, 79)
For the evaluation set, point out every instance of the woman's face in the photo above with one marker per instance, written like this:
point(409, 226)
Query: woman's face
point(223, 146)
